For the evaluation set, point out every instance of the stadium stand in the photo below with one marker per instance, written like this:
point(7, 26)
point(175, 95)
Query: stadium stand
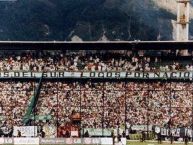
point(38, 61)
point(88, 105)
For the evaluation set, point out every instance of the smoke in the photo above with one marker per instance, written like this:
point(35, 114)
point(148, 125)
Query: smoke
point(171, 6)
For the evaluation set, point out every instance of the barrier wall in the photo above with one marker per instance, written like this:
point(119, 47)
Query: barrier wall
point(58, 141)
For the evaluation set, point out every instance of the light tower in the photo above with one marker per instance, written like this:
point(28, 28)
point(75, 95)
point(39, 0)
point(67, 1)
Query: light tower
point(183, 15)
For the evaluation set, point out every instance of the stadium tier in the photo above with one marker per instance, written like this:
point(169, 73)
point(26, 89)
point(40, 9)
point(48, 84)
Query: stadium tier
point(94, 93)
point(38, 61)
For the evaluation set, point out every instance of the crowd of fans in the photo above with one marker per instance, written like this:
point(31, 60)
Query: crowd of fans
point(105, 105)
point(109, 104)
point(89, 61)
point(15, 98)
point(75, 105)
point(160, 104)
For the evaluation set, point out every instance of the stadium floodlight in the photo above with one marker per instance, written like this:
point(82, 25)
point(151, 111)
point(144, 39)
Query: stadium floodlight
point(183, 16)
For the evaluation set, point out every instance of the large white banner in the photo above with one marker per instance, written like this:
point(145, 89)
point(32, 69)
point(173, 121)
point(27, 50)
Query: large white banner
point(26, 131)
point(176, 132)
point(66, 74)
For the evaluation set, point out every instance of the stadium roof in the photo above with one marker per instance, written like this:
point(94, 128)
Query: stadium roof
point(95, 45)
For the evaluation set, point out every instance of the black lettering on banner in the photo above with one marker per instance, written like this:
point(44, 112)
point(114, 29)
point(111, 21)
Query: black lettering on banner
point(178, 132)
point(92, 74)
point(117, 74)
point(162, 132)
point(25, 74)
point(109, 74)
point(146, 75)
point(101, 74)
point(61, 74)
point(180, 75)
point(31, 74)
point(186, 74)
point(165, 75)
point(45, 74)
point(16, 74)
point(81, 74)
point(157, 74)
point(128, 74)
point(168, 132)
point(137, 75)
point(6, 74)
point(173, 75)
